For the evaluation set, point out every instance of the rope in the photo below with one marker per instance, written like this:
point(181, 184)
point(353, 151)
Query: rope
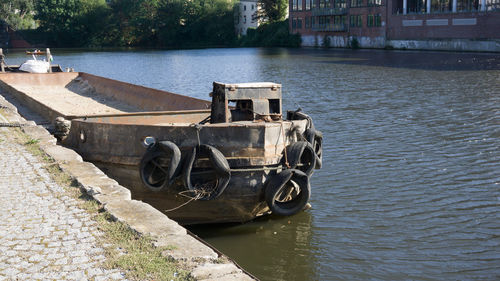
point(180, 206)
point(198, 194)
point(241, 170)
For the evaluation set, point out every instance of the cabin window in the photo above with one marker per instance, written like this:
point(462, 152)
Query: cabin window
point(274, 106)
point(242, 110)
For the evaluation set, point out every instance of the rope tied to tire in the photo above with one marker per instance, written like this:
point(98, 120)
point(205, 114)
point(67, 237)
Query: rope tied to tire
point(301, 156)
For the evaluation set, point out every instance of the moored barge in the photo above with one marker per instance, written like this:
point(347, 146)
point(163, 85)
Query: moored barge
point(228, 160)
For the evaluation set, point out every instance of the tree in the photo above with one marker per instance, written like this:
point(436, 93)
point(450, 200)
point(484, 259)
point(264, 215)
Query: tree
point(273, 10)
point(18, 13)
point(71, 22)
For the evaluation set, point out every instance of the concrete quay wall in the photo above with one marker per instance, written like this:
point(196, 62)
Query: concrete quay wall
point(205, 263)
point(460, 45)
point(447, 45)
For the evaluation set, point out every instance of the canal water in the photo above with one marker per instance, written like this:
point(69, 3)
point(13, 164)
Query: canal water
point(410, 184)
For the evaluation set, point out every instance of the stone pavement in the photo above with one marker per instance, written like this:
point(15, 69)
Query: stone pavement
point(45, 236)
point(43, 233)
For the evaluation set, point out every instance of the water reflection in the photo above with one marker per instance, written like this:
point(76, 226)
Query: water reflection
point(280, 247)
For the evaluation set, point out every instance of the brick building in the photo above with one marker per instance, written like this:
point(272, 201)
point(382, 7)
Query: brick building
point(414, 24)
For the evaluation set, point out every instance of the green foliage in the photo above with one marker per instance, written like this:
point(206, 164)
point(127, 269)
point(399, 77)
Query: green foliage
point(31, 141)
point(18, 13)
point(152, 23)
point(171, 23)
point(274, 34)
point(71, 23)
point(273, 10)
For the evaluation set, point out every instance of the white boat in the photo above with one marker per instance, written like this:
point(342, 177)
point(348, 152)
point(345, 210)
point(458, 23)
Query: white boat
point(35, 66)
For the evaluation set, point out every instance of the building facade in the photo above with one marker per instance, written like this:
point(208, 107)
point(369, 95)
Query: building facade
point(246, 16)
point(472, 25)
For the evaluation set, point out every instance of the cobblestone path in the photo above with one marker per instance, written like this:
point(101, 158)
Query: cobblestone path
point(43, 233)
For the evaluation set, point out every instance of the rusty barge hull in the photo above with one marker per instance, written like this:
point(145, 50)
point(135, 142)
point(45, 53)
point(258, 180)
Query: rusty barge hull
point(111, 122)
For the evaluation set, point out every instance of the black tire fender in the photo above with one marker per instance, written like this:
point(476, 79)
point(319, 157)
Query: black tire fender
point(301, 152)
point(315, 138)
point(277, 184)
point(149, 164)
point(299, 115)
point(219, 163)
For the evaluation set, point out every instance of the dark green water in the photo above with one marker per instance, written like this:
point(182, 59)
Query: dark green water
point(410, 185)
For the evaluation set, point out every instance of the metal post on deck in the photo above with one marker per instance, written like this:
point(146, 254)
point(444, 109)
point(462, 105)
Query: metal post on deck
point(49, 58)
point(404, 6)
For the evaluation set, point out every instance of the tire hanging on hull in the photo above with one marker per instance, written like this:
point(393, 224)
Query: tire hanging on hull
point(155, 173)
point(301, 156)
point(288, 192)
point(315, 138)
point(218, 163)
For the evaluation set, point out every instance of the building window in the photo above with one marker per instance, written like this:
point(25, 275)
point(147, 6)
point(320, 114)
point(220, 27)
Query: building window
point(313, 3)
point(252, 7)
point(374, 2)
point(340, 4)
point(378, 20)
point(467, 5)
point(339, 20)
point(244, 7)
point(308, 5)
point(294, 5)
point(299, 23)
point(244, 19)
point(321, 4)
point(356, 3)
point(441, 5)
point(416, 7)
point(299, 5)
point(492, 5)
point(294, 24)
point(374, 20)
point(306, 22)
point(355, 21)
